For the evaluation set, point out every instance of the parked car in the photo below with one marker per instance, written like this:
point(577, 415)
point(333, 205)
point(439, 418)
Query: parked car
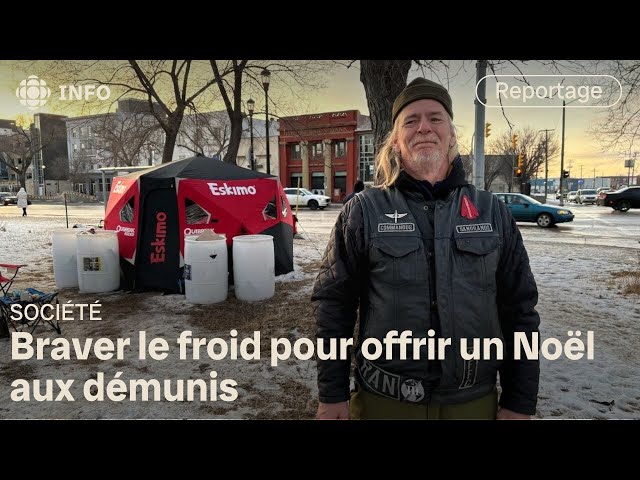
point(527, 209)
point(586, 195)
point(603, 189)
point(623, 199)
point(305, 198)
point(571, 196)
point(8, 198)
point(564, 195)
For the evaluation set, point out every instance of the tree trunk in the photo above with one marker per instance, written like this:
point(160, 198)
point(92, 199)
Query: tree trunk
point(383, 80)
point(169, 145)
point(171, 134)
point(23, 180)
point(235, 137)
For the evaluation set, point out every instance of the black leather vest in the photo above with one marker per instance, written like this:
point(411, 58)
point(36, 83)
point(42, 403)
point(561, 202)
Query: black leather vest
point(467, 236)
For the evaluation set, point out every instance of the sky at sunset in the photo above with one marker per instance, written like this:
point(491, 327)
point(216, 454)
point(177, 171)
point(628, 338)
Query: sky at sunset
point(344, 91)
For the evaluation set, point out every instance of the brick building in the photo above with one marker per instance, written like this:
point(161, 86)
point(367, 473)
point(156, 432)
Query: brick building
point(322, 151)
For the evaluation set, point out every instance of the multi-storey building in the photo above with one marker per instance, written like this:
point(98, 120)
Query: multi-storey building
point(326, 152)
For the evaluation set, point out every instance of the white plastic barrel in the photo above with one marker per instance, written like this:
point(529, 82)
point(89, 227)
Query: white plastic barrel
point(98, 259)
point(65, 270)
point(253, 267)
point(206, 269)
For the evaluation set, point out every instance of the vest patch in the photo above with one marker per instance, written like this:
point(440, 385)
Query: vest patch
point(473, 228)
point(396, 227)
point(467, 209)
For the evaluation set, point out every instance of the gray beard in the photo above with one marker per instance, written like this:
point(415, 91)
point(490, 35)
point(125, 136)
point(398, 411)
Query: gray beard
point(429, 161)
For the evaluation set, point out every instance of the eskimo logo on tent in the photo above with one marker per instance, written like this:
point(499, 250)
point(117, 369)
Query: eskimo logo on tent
point(227, 190)
point(158, 255)
point(120, 187)
point(128, 231)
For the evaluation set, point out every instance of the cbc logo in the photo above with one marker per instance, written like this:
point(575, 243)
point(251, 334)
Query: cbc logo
point(33, 92)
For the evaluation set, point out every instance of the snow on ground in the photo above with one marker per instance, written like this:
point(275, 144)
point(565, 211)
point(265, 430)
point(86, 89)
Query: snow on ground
point(576, 292)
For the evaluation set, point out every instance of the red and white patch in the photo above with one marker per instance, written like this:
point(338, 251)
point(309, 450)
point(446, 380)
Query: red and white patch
point(468, 210)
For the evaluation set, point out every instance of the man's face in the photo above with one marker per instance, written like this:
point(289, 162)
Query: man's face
point(424, 136)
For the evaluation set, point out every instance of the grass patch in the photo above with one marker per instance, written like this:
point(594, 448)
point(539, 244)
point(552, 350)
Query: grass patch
point(629, 280)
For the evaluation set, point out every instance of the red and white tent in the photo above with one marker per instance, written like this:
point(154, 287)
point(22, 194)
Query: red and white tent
point(152, 210)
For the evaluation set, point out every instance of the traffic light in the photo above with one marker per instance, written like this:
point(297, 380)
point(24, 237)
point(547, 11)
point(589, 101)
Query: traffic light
point(514, 140)
point(518, 171)
point(565, 174)
point(520, 160)
point(487, 130)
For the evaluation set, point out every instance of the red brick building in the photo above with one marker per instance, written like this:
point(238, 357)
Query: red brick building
point(323, 151)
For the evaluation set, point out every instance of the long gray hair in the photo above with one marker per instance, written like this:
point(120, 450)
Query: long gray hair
point(388, 162)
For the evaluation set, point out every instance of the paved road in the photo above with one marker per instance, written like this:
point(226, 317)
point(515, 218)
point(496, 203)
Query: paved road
point(592, 225)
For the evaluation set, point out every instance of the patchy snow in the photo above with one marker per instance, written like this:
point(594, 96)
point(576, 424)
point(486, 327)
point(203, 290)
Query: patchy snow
point(576, 292)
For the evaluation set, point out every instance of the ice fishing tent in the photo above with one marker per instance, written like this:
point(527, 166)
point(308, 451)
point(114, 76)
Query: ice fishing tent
point(152, 210)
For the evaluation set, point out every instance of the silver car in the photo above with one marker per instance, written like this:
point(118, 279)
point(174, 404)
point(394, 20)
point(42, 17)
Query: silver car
point(587, 195)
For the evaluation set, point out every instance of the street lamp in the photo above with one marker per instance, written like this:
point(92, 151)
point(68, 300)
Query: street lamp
point(266, 76)
point(250, 105)
point(44, 182)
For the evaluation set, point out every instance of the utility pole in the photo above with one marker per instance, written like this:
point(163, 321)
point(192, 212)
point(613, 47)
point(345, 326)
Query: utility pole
point(480, 101)
point(562, 154)
point(594, 178)
point(581, 178)
point(546, 160)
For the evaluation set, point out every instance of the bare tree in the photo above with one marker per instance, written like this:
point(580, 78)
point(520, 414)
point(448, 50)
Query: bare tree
point(237, 79)
point(169, 118)
point(619, 125)
point(79, 168)
point(530, 145)
point(383, 81)
point(126, 139)
point(17, 151)
point(206, 133)
point(496, 166)
point(169, 86)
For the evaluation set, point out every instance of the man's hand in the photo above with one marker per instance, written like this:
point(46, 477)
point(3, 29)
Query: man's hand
point(506, 414)
point(333, 411)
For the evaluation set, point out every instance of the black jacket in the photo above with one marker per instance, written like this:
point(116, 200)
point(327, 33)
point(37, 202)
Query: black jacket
point(343, 283)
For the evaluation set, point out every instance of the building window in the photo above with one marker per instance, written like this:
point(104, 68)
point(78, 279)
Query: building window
point(295, 151)
point(365, 160)
point(340, 182)
point(317, 149)
point(340, 148)
point(74, 133)
point(317, 181)
point(294, 179)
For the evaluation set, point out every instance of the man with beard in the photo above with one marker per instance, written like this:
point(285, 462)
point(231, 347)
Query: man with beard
point(425, 254)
